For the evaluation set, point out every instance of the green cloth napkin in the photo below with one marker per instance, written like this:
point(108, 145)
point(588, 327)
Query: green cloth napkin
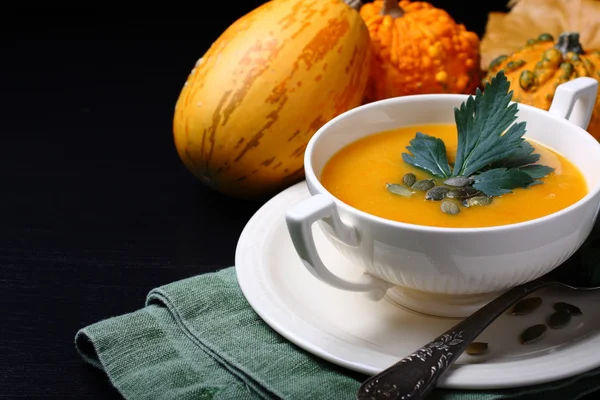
point(199, 339)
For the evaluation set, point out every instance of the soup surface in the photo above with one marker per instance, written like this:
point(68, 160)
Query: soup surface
point(358, 173)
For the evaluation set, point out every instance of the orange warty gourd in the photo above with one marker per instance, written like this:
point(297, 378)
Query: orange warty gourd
point(507, 31)
point(537, 68)
point(264, 87)
point(418, 48)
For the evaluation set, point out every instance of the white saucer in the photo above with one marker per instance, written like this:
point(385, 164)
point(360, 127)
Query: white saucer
point(354, 332)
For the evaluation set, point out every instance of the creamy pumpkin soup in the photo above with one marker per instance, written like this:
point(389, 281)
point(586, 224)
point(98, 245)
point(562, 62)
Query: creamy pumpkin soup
point(371, 175)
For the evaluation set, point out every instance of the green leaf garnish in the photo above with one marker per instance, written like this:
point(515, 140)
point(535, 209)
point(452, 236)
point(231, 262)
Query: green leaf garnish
point(429, 153)
point(491, 148)
point(481, 122)
point(536, 171)
point(523, 155)
point(499, 181)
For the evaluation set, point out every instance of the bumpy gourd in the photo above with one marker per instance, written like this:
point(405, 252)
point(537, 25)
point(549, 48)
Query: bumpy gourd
point(418, 48)
point(266, 85)
point(507, 31)
point(536, 69)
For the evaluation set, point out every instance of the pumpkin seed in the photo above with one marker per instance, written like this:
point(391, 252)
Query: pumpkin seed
point(409, 179)
point(526, 80)
point(449, 207)
point(459, 181)
point(573, 56)
point(533, 333)
point(526, 306)
point(546, 37)
point(497, 61)
point(512, 65)
point(531, 42)
point(476, 348)
point(398, 189)
point(477, 201)
point(570, 308)
point(462, 193)
point(559, 319)
point(423, 185)
point(437, 193)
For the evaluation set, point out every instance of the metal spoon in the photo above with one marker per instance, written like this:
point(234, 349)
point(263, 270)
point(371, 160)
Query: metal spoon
point(416, 375)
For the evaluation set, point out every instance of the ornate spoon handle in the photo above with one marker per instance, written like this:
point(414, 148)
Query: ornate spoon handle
point(414, 376)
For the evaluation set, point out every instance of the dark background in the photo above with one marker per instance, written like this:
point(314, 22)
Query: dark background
point(95, 206)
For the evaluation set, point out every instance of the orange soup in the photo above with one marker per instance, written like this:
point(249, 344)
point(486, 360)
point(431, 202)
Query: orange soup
point(358, 174)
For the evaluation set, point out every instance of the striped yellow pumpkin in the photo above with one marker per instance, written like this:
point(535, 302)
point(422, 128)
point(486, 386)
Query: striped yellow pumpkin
point(264, 87)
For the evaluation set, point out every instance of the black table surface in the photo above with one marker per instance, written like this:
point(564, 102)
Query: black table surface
point(96, 208)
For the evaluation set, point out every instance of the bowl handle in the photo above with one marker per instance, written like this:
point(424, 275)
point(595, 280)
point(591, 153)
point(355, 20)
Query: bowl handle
point(574, 100)
point(299, 222)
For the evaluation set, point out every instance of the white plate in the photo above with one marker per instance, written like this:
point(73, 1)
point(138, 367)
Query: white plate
point(354, 332)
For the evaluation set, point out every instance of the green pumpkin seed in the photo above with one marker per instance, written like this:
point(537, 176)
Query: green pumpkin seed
point(449, 207)
point(497, 61)
point(476, 348)
point(437, 193)
point(423, 185)
point(462, 193)
point(546, 37)
point(559, 319)
point(398, 189)
point(512, 65)
point(570, 308)
point(527, 79)
point(409, 179)
point(477, 201)
point(526, 306)
point(533, 333)
point(459, 181)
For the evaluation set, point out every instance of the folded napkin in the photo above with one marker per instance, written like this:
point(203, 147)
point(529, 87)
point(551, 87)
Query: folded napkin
point(199, 339)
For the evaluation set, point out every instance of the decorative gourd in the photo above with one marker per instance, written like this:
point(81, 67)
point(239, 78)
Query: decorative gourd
point(507, 31)
point(536, 69)
point(418, 48)
point(266, 85)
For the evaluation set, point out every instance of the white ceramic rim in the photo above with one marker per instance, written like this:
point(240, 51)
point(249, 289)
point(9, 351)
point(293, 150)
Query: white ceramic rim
point(312, 178)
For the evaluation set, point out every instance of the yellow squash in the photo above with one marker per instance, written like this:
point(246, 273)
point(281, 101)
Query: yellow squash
point(253, 101)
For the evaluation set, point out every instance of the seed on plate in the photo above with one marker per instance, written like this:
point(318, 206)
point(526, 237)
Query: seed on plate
point(436, 193)
point(409, 179)
point(526, 306)
point(476, 348)
point(449, 207)
point(459, 181)
point(559, 319)
point(423, 185)
point(533, 333)
point(570, 308)
point(463, 193)
point(398, 189)
point(477, 201)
